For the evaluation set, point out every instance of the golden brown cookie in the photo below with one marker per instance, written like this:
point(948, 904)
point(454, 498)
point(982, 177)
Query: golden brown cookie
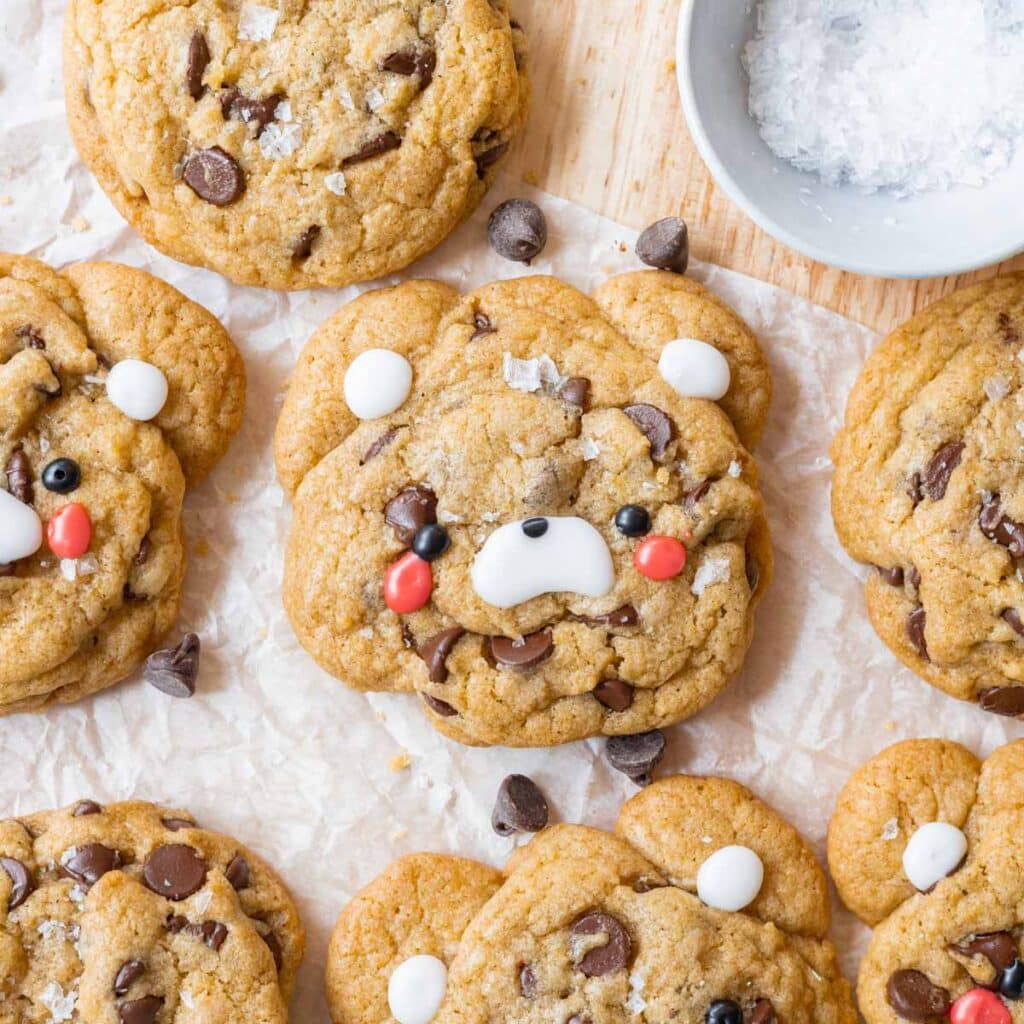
point(116, 392)
point(929, 489)
point(926, 846)
point(294, 145)
point(705, 906)
point(502, 504)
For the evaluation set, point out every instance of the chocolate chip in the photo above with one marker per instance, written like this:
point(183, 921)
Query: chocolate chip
point(88, 864)
point(1003, 700)
point(527, 981)
point(529, 652)
point(487, 159)
point(482, 327)
point(130, 971)
point(636, 756)
point(19, 476)
point(381, 144)
point(1000, 528)
point(174, 670)
point(624, 616)
point(606, 959)
point(214, 176)
point(1011, 981)
point(86, 807)
point(142, 556)
point(214, 934)
point(914, 997)
point(691, 498)
point(655, 425)
point(576, 391)
point(140, 1011)
point(174, 871)
point(275, 949)
point(665, 245)
point(435, 652)
point(238, 874)
point(999, 948)
point(763, 1012)
point(410, 509)
point(915, 631)
point(1012, 617)
point(31, 337)
point(6, 569)
point(644, 884)
point(198, 60)
point(914, 578)
point(940, 469)
point(176, 824)
point(614, 694)
point(21, 882)
point(439, 707)
point(234, 103)
point(410, 62)
point(517, 230)
point(894, 576)
point(578, 1018)
point(303, 247)
point(520, 807)
point(379, 445)
point(915, 489)
point(1008, 330)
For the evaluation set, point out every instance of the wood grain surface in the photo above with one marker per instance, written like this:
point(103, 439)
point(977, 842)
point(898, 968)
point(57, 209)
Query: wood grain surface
point(607, 130)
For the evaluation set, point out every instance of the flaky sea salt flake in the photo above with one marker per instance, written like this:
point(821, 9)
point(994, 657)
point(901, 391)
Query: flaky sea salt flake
point(712, 570)
point(256, 23)
point(336, 183)
point(60, 1005)
point(890, 830)
point(278, 140)
point(996, 388)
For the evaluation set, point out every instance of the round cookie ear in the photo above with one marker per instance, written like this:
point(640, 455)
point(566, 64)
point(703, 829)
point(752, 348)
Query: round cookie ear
point(709, 834)
point(882, 808)
point(654, 307)
point(131, 315)
point(316, 417)
point(420, 906)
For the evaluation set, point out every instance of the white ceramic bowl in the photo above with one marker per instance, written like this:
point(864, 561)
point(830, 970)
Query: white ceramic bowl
point(931, 235)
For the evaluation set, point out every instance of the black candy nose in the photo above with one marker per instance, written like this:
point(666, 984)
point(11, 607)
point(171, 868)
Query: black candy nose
point(535, 527)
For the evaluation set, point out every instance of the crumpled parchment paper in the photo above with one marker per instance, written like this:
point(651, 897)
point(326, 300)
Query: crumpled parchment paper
point(285, 758)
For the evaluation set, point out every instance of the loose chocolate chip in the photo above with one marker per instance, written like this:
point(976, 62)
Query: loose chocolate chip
point(763, 1012)
point(527, 981)
point(535, 527)
point(940, 469)
point(576, 391)
point(525, 653)
point(624, 616)
point(914, 997)
point(655, 425)
point(1011, 981)
point(636, 756)
point(487, 159)
point(128, 972)
point(303, 247)
point(174, 871)
point(410, 509)
point(894, 576)
point(520, 807)
point(723, 1011)
point(665, 245)
point(31, 337)
point(1003, 700)
point(1001, 529)
point(439, 707)
point(238, 874)
point(606, 959)
point(517, 230)
point(614, 694)
point(383, 143)
point(233, 103)
point(86, 807)
point(1012, 617)
point(412, 62)
point(174, 670)
point(379, 445)
point(176, 824)
point(198, 59)
point(21, 882)
point(19, 476)
point(88, 864)
point(214, 176)
point(482, 327)
point(140, 1011)
point(915, 631)
point(275, 948)
point(999, 948)
point(435, 652)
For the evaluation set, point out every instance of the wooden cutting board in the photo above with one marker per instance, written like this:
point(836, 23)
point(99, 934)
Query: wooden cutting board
point(607, 131)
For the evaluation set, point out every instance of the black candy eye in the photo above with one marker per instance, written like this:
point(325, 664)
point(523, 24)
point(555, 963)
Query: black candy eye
point(633, 521)
point(535, 527)
point(62, 476)
point(723, 1011)
point(431, 541)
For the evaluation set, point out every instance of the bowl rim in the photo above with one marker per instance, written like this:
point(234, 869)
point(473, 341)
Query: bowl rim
point(722, 177)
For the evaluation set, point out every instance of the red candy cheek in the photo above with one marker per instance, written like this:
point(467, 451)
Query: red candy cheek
point(69, 532)
point(407, 584)
point(660, 558)
point(979, 1006)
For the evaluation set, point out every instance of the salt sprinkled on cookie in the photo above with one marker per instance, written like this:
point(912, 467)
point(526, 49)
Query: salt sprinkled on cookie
point(256, 23)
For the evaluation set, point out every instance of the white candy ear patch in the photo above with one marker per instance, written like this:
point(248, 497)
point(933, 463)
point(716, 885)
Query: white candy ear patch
point(21, 529)
point(695, 369)
point(935, 850)
point(416, 989)
point(377, 382)
point(730, 878)
point(137, 388)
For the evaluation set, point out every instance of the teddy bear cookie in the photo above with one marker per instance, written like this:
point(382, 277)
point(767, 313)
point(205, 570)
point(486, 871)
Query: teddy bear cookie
point(929, 489)
point(135, 914)
point(116, 392)
point(294, 145)
point(926, 847)
point(704, 907)
point(532, 508)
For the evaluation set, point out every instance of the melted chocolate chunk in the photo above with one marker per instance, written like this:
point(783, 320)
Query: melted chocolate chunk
point(520, 807)
point(915, 631)
point(488, 158)
point(275, 949)
point(439, 707)
point(410, 509)
point(214, 176)
point(482, 326)
point(435, 652)
point(303, 247)
point(522, 654)
point(999, 948)
point(614, 694)
point(576, 391)
point(176, 824)
point(621, 617)
point(198, 60)
point(608, 958)
point(692, 498)
point(410, 62)
point(655, 425)
point(174, 871)
point(19, 476)
point(238, 873)
point(1007, 701)
point(527, 981)
point(1000, 528)
point(88, 864)
point(763, 1012)
point(140, 1011)
point(235, 104)
point(32, 338)
point(915, 998)
point(212, 933)
point(379, 445)
point(383, 143)
point(894, 576)
point(1012, 617)
point(128, 972)
point(22, 885)
point(940, 469)
point(1008, 329)
point(86, 807)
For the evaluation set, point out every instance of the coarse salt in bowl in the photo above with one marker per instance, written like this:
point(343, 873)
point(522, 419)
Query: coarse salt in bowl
point(911, 229)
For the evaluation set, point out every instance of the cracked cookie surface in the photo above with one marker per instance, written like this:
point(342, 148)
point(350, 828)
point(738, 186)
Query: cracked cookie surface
point(294, 145)
point(929, 488)
point(82, 608)
point(608, 928)
point(135, 913)
point(549, 477)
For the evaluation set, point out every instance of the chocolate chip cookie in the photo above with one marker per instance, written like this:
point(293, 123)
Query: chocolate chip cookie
point(529, 506)
point(704, 906)
point(294, 145)
point(135, 913)
point(926, 847)
point(929, 489)
point(116, 392)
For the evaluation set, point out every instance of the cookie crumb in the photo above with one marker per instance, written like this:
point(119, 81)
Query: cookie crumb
point(80, 224)
point(890, 830)
point(400, 762)
point(6, 200)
